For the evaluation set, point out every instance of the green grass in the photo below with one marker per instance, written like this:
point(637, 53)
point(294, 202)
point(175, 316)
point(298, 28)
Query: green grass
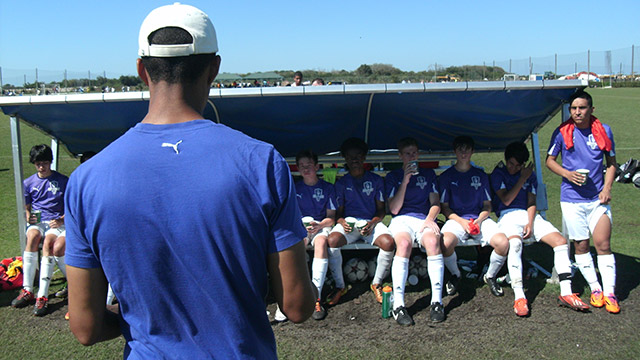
point(29, 337)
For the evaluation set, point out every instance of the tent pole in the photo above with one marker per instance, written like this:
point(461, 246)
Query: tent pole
point(541, 197)
point(366, 128)
point(55, 149)
point(16, 149)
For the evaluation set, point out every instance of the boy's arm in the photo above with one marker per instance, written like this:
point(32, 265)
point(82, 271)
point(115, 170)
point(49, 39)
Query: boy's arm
point(89, 320)
point(396, 202)
point(605, 194)
point(434, 210)
point(508, 195)
point(557, 169)
point(531, 215)
point(290, 282)
point(450, 215)
point(486, 211)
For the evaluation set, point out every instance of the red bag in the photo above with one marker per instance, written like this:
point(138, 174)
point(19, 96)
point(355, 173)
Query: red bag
point(11, 273)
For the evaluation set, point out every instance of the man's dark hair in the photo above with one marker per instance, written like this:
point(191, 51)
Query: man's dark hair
point(309, 154)
point(318, 80)
point(86, 156)
point(406, 142)
point(517, 150)
point(297, 73)
point(463, 141)
point(40, 152)
point(179, 69)
point(354, 143)
point(581, 94)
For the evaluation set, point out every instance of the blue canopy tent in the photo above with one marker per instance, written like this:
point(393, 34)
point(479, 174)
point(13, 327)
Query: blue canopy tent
point(320, 117)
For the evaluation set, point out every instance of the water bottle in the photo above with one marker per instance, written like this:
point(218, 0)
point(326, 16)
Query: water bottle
point(387, 302)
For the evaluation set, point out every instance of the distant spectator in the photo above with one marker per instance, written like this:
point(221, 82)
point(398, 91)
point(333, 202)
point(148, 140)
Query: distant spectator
point(317, 82)
point(297, 79)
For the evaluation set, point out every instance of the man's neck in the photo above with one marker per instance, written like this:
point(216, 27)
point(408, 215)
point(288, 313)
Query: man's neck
point(310, 181)
point(44, 175)
point(463, 166)
point(172, 104)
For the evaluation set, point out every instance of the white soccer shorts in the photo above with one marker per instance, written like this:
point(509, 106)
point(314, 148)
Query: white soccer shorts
point(580, 219)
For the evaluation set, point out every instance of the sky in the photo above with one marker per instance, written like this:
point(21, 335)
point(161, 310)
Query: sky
point(100, 37)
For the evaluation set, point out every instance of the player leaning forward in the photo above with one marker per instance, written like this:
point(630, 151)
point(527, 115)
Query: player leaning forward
point(515, 186)
point(584, 142)
point(415, 204)
point(360, 194)
point(211, 205)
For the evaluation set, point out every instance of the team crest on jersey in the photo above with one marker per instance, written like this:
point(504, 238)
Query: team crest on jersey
point(475, 182)
point(53, 187)
point(421, 182)
point(591, 141)
point(367, 187)
point(318, 195)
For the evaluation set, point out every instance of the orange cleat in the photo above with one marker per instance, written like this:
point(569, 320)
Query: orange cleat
point(573, 301)
point(521, 307)
point(597, 299)
point(611, 304)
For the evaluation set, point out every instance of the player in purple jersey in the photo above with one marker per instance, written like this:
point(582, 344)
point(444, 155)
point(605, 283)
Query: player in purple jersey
point(44, 193)
point(515, 187)
point(584, 142)
point(466, 204)
point(317, 199)
point(415, 204)
point(361, 196)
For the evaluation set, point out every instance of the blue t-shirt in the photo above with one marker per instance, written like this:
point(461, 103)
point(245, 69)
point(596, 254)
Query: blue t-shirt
point(181, 218)
point(501, 179)
point(416, 198)
point(585, 154)
point(46, 195)
point(465, 192)
point(359, 195)
point(315, 200)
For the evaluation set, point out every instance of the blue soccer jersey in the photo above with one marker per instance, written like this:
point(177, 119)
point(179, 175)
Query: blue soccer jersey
point(501, 179)
point(211, 205)
point(315, 200)
point(585, 154)
point(416, 199)
point(359, 195)
point(46, 195)
point(465, 192)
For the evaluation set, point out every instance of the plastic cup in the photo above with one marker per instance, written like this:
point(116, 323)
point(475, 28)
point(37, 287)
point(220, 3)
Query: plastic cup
point(307, 220)
point(351, 221)
point(360, 224)
point(414, 166)
point(585, 173)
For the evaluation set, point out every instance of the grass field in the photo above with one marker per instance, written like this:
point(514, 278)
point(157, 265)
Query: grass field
point(32, 337)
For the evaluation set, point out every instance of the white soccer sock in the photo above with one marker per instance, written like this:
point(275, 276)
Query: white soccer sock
point(383, 263)
point(319, 272)
point(514, 265)
point(61, 265)
point(111, 295)
point(607, 267)
point(335, 264)
point(495, 264)
point(46, 272)
point(563, 268)
point(585, 264)
point(29, 266)
point(435, 266)
point(399, 271)
point(451, 262)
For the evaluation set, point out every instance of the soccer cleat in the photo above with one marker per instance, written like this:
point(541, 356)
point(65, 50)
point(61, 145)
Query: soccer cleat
point(521, 307)
point(377, 292)
point(402, 316)
point(40, 309)
point(279, 316)
point(597, 299)
point(495, 288)
point(451, 287)
point(436, 314)
point(24, 298)
point(335, 295)
point(573, 301)
point(611, 304)
point(319, 313)
point(62, 293)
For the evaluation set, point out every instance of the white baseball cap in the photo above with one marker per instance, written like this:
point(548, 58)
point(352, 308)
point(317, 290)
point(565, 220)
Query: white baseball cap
point(186, 17)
